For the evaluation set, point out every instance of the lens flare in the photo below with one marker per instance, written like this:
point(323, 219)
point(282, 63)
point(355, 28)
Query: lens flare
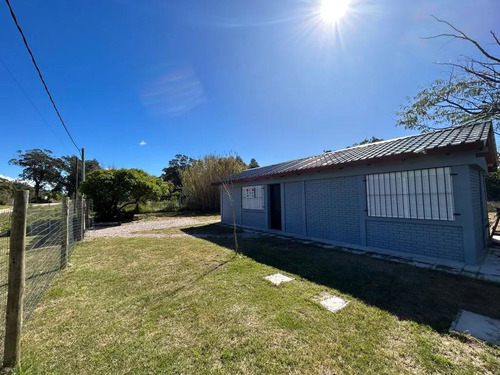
point(333, 10)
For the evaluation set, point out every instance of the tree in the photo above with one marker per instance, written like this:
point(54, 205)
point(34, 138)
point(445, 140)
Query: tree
point(365, 141)
point(172, 173)
point(253, 164)
point(240, 161)
point(72, 171)
point(493, 186)
point(6, 191)
point(113, 190)
point(197, 181)
point(470, 93)
point(40, 167)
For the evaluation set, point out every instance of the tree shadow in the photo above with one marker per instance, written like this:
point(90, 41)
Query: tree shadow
point(424, 296)
point(210, 229)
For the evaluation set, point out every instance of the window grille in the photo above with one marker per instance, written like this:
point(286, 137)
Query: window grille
point(252, 197)
point(418, 194)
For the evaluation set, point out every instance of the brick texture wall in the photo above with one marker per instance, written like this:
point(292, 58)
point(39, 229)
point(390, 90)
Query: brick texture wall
point(477, 210)
point(226, 211)
point(255, 219)
point(432, 240)
point(332, 209)
point(294, 210)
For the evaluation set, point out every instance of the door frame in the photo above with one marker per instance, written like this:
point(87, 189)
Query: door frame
point(270, 205)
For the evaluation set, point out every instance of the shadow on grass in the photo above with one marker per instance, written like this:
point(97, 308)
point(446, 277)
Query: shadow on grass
point(210, 229)
point(424, 296)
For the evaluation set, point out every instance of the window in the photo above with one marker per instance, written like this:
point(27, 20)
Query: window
point(252, 197)
point(419, 194)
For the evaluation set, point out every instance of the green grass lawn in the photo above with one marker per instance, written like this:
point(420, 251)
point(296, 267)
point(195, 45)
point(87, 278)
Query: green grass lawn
point(192, 306)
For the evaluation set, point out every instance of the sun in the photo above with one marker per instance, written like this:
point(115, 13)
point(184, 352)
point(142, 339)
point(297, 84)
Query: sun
point(333, 10)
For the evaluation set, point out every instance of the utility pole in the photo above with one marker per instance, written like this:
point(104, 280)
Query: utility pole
point(83, 164)
point(83, 203)
point(76, 175)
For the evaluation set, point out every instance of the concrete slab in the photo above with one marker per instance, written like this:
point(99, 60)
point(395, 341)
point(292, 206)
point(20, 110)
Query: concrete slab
point(278, 278)
point(333, 303)
point(471, 268)
point(330, 247)
point(479, 326)
point(491, 264)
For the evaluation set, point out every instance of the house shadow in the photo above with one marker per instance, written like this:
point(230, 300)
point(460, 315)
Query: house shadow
point(424, 296)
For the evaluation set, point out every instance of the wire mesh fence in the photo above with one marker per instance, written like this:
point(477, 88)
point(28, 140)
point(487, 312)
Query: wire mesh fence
point(5, 222)
point(51, 232)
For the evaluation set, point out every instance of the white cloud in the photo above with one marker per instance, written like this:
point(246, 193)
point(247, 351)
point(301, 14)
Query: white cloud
point(7, 177)
point(142, 143)
point(175, 92)
point(27, 182)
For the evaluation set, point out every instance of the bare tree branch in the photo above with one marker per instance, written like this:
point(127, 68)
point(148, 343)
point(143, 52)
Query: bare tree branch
point(465, 37)
point(495, 37)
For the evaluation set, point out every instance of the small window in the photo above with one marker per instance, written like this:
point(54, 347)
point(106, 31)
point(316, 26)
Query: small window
point(419, 194)
point(252, 197)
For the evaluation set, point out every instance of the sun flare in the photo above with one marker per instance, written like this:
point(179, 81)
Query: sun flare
point(333, 10)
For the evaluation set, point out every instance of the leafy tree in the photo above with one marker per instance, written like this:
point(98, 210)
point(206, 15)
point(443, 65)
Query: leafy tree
point(471, 92)
point(113, 190)
point(172, 173)
point(72, 171)
point(493, 186)
point(6, 191)
point(197, 181)
point(240, 161)
point(253, 164)
point(40, 167)
point(365, 141)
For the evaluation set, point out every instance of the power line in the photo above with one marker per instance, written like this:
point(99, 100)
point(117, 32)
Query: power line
point(39, 73)
point(31, 101)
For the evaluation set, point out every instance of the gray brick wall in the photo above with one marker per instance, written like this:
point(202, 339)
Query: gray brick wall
point(477, 210)
point(226, 211)
point(255, 219)
point(424, 239)
point(332, 209)
point(294, 210)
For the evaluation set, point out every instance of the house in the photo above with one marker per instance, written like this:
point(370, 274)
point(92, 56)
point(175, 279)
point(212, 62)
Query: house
point(422, 194)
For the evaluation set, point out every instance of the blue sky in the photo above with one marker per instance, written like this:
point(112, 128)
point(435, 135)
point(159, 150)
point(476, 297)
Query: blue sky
point(266, 79)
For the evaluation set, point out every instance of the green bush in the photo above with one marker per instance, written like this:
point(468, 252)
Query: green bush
point(118, 192)
point(493, 186)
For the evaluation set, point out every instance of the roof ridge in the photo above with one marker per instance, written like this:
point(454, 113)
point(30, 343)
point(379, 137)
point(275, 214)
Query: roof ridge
point(470, 124)
point(452, 136)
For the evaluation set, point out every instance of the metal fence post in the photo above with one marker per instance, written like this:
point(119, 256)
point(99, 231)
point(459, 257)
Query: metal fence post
point(64, 232)
point(14, 309)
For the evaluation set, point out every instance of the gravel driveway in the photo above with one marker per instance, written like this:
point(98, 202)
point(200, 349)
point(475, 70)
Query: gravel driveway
point(131, 229)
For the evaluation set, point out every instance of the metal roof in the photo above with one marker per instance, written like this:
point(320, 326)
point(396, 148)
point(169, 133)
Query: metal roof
point(478, 136)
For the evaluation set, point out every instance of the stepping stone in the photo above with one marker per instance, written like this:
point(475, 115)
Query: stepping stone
point(278, 278)
point(334, 303)
point(479, 326)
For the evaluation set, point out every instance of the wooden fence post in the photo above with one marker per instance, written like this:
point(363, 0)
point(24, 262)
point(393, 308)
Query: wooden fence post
point(80, 214)
point(64, 232)
point(82, 208)
point(14, 309)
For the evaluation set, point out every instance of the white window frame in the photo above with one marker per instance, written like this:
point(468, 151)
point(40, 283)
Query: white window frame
point(253, 197)
point(424, 194)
